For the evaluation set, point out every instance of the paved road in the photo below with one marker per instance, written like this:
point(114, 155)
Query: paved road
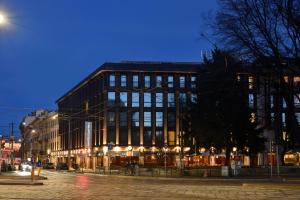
point(63, 185)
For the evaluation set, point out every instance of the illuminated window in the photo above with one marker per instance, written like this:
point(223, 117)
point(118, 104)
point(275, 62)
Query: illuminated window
point(283, 103)
point(147, 99)
point(135, 81)
point(251, 82)
point(123, 99)
point(297, 100)
point(298, 117)
point(253, 117)
point(182, 98)
point(112, 80)
point(272, 101)
point(159, 100)
point(135, 99)
point(123, 80)
point(171, 137)
point(296, 80)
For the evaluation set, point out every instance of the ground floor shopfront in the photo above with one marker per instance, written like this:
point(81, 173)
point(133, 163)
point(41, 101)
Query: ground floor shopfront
point(151, 157)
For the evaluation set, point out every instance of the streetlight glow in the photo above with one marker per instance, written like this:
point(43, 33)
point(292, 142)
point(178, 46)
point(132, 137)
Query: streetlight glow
point(2, 19)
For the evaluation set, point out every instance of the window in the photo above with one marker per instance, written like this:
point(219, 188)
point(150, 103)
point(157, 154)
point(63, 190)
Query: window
point(159, 119)
point(182, 82)
point(123, 99)
point(111, 98)
point(251, 100)
point(159, 138)
point(147, 99)
point(135, 99)
point(296, 100)
point(111, 118)
point(182, 98)
point(193, 82)
point(194, 98)
point(272, 101)
point(158, 81)
point(159, 100)
point(283, 119)
point(170, 81)
point(147, 82)
point(253, 117)
point(147, 119)
point(123, 118)
point(135, 81)
point(283, 103)
point(171, 100)
point(171, 119)
point(298, 117)
point(112, 80)
point(123, 80)
point(147, 138)
point(251, 82)
point(171, 137)
point(135, 119)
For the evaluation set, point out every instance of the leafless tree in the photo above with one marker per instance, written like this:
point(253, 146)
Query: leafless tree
point(266, 32)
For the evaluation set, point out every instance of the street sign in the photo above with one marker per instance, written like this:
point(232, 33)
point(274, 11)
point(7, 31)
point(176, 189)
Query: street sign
point(110, 146)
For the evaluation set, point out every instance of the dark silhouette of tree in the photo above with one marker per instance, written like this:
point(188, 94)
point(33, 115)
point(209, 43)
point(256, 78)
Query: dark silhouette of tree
point(267, 33)
point(221, 118)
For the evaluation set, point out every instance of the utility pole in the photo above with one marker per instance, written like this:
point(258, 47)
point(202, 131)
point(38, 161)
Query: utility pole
point(12, 144)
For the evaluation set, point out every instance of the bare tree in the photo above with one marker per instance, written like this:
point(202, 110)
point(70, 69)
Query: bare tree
point(266, 32)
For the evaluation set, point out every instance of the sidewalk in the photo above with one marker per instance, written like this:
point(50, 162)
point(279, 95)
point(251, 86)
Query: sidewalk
point(20, 178)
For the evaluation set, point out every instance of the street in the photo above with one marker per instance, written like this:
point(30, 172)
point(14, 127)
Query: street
point(64, 185)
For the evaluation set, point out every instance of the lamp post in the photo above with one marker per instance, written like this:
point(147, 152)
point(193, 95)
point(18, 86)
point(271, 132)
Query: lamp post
point(166, 149)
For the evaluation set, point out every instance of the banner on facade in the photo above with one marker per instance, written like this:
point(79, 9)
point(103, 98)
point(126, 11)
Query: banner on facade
point(88, 134)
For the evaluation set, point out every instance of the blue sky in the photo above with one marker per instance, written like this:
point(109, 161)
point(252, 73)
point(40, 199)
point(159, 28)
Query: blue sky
point(50, 45)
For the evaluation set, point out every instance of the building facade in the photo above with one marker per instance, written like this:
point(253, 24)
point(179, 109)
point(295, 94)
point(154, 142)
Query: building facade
point(40, 139)
point(127, 112)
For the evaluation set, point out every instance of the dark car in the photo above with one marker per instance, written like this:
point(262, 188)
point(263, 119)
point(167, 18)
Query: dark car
point(48, 166)
point(62, 166)
point(75, 166)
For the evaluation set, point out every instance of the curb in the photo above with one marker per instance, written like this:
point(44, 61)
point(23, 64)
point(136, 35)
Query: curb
point(20, 183)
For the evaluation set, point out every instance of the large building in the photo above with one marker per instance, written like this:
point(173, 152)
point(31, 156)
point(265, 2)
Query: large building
point(127, 112)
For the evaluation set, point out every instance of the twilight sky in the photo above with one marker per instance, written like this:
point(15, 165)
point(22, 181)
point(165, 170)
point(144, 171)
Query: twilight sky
point(50, 45)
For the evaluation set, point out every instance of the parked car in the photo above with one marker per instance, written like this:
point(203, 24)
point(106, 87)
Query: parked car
point(48, 166)
point(62, 166)
point(75, 166)
point(26, 166)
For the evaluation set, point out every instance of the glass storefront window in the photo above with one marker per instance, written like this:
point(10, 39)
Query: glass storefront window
point(193, 82)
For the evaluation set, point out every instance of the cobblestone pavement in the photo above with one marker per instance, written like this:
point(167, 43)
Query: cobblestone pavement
point(63, 185)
